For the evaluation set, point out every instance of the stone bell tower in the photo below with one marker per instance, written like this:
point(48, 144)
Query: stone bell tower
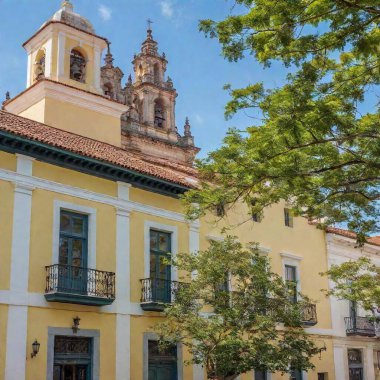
point(149, 126)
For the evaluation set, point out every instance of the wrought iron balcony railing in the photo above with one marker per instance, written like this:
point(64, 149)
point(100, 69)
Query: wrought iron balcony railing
point(156, 293)
point(359, 326)
point(65, 283)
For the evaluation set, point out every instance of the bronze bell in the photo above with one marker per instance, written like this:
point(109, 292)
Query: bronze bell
point(76, 71)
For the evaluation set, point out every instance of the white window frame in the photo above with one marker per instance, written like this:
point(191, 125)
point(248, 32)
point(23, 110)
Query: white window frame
point(173, 230)
point(91, 213)
point(292, 260)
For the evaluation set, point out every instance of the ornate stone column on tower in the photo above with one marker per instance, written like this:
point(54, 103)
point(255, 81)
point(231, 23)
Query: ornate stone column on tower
point(150, 126)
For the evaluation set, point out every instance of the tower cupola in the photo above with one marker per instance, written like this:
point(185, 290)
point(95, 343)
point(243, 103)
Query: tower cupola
point(67, 50)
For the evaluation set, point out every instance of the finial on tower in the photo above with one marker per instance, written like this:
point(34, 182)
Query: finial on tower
point(187, 128)
point(149, 30)
point(66, 5)
point(109, 58)
point(7, 95)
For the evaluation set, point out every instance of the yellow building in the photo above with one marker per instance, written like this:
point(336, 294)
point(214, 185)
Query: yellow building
point(90, 173)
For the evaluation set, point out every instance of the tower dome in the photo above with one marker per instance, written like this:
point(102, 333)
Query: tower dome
point(67, 15)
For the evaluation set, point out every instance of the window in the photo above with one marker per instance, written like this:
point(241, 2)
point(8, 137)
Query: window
point(162, 364)
point(291, 281)
point(72, 259)
point(77, 66)
point(159, 114)
point(322, 376)
point(160, 271)
point(256, 217)
point(355, 364)
point(295, 374)
point(72, 358)
point(261, 375)
point(288, 217)
point(39, 68)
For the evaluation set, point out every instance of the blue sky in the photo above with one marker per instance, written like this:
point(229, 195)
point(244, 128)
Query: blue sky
point(195, 64)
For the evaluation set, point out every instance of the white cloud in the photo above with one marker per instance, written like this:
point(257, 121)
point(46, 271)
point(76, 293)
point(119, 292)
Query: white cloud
point(167, 9)
point(105, 12)
point(198, 119)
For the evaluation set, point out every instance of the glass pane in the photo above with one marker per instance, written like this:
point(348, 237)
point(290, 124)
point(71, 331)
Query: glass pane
point(77, 253)
point(82, 373)
point(57, 372)
point(65, 223)
point(163, 243)
point(68, 373)
point(153, 265)
point(163, 268)
point(78, 225)
point(153, 240)
point(354, 356)
point(63, 251)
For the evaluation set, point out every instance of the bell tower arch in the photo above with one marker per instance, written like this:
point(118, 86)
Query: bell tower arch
point(72, 51)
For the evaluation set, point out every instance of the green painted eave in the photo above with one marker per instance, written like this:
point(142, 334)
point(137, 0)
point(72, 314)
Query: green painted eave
point(46, 153)
point(78, 299)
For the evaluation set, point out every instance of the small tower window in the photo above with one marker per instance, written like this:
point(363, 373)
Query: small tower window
point(108, 90)
point(39, 68)
point(77, 66)
point(159, 115)
point(156, 73)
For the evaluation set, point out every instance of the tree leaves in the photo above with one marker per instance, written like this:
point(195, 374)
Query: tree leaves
point(313, 146)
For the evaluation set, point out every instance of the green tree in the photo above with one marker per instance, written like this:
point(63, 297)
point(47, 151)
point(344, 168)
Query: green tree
point(233, 332)
point(357, 281)
point(317, 143)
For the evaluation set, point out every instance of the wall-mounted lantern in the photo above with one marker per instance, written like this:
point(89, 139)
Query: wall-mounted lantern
point(75, 325)
point(36, 347)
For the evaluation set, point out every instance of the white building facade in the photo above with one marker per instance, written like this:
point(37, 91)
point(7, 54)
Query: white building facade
point(356, 346)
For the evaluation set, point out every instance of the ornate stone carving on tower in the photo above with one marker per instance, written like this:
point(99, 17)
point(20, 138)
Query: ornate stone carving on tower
point(149, 125)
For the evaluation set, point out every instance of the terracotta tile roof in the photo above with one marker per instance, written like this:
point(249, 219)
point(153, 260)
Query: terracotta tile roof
point(84, 146)
point(373, 240)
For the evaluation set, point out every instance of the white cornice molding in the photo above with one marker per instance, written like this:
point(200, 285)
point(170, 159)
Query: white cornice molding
point(291, 256)
point(61, 92)
point(347, 247)
point(45, 33)
point(43, 184)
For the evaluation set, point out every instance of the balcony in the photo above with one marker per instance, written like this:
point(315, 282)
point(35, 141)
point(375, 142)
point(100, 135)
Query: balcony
point(83, 286)
point(361, 326)
point(156, 293)
point(309, 314)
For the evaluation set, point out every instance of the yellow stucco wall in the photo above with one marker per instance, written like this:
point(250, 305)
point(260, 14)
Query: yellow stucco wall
point(35, 112)
point(83, 121)
point(74, 178)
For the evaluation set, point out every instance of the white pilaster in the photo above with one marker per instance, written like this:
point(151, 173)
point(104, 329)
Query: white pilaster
point(123, 347)
point(16, 343)
point(340, 362)
point(61, 54)
point(123, 297)
point(48, 57)
point(18, 315)
point(369, 364)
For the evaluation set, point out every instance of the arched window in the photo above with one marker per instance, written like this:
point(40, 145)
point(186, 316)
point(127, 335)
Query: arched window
point(39, 66)
point(156, 73)
point(108, 90)
point(159, 114)
point(77, 66)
